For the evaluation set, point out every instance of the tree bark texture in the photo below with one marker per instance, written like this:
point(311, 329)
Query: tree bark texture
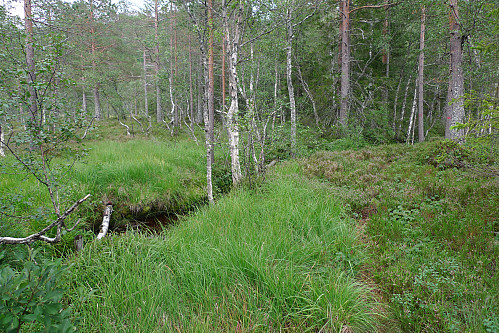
point(211, 82)
point(159, 111)
point(345, 61)
point(421, 77)
point(289, 78)
point(456, 83)
point(30, 62)
point(2, 139)
point(146, 100)
point(105, 221)
point(232, 28)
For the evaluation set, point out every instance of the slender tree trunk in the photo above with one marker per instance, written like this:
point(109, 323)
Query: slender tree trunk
point(201, 93)
point(394, 121)
point(159, 111)
point(456, 82)
point(146, 101)
point(98, 114)
point(224, 51)
point(2, 140)
point(30, 61)
point(191, 97)
point(411, 119)
point(276, 87)
point(289, 78)
point(309, 95)
point(345, 61)
point(386, 54)
point(421, 77)
point(84, 100)
point(176, 120)
point(232, 39)
point(211, 83)
point(404, 103)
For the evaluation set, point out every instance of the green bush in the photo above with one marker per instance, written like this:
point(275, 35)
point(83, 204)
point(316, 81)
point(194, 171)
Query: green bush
point(32, 297)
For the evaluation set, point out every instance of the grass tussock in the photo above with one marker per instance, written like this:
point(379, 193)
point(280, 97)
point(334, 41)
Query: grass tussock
point(282, 258)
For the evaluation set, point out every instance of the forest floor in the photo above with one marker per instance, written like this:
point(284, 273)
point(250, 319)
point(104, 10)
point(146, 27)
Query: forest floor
point(387, 238)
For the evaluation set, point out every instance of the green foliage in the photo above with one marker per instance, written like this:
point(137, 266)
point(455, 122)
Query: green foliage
point(222, 177)
point(483, 119)
point(450, 154)
point(31, 298)
point(431, 229)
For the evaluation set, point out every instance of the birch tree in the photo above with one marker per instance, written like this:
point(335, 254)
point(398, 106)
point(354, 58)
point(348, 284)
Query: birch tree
point(232, 18)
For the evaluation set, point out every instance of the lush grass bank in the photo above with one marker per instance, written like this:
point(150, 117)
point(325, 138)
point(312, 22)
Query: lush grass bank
point(140, 177)
point(284, 257)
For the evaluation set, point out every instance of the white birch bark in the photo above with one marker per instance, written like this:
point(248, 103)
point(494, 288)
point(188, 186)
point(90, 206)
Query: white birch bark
point(2, 139)
point(289, 72)
point(404, 103)
point(159, 111)
point(40, 235)
point(105, 221)
point(84, 100)
point(146, 101)
point(421, 77)
point(413, 112)
point(232, 39)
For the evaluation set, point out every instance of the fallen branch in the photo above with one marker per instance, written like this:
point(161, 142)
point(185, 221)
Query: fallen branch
point(41, 234)
point(105, 220)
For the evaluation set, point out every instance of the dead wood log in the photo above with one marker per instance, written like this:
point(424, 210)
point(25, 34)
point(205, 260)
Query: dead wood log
point(105, 220)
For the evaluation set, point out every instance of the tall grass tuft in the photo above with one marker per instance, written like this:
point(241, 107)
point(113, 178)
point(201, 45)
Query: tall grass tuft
point(283, 257)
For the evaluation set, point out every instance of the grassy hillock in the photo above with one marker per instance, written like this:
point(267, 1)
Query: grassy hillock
point(429, 218)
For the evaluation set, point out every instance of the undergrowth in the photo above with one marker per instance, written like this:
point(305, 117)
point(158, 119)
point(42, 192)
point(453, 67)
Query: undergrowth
point(429, 216)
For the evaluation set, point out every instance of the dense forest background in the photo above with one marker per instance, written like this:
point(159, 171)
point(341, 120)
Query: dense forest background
point(299, 119)
point(373, 71)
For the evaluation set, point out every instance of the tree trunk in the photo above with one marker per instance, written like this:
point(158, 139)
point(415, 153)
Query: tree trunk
point(421, 77)
point(456, 83)
point(84, 100)
point(345, 61)
point(224, 51)
point(309, 95)
point(201, 87)
point(159, 111)
point(93, 48)
point(232, 40)
point(211, 83)
point(404, 103)
point(30, 61)
point(176, 120)
point(386, 54)
point(191, 97)
point(411, 119)
point(2, 136)
point(146, 101)
point(98, 114)
point(289, 79)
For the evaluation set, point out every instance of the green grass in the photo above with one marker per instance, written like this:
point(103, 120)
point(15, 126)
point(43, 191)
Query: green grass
point(284, 257)
point(141, 177)
point(431, 228)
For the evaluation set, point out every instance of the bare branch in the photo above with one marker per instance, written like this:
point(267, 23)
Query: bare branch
point(41, 234)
